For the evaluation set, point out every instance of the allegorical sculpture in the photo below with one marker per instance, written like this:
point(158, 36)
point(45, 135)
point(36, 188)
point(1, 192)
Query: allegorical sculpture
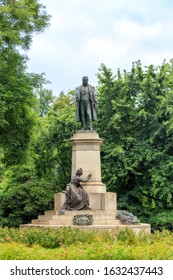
point(86, 103)
point(76, 197)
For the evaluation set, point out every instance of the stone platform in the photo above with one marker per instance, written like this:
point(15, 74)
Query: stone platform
point(103, 220)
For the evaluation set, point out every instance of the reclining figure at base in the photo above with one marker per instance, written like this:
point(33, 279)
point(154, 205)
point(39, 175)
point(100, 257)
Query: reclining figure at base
point(76, 197)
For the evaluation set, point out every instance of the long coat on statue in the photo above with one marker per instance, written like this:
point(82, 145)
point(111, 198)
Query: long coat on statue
point(93, 102)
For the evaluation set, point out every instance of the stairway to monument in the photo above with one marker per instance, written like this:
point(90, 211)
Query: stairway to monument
point(103, 220)
point(100, 217)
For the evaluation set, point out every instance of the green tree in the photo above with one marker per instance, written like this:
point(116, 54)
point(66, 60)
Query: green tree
point(52, 148)
point(28, 189)
point(135, 121)
point(19, 20)
point(20, 186)
point(23, 196)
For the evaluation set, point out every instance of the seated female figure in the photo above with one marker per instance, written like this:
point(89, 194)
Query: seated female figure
point(76, 197)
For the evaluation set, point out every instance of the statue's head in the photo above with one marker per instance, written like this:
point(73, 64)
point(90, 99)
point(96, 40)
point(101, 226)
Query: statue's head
point(79, 171)
point(85, 80)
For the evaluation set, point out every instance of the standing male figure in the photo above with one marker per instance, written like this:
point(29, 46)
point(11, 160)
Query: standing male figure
point(86, 102)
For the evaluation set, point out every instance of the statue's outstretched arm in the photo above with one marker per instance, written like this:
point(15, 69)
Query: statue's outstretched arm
point(86, 179)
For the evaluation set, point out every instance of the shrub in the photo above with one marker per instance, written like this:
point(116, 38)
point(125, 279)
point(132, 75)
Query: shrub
point(74, 244)
point(126, 236)
point(162, 221)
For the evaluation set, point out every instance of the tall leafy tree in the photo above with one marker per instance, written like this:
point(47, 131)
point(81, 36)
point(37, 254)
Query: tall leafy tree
point(19, 20)
point(52, 148)
point(20, 186)
point(28, 189)
point(135, 121)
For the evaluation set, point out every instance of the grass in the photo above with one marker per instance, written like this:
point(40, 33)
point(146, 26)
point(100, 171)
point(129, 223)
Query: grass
point(68, 244)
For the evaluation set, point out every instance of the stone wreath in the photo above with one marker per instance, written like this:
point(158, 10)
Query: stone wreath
point(127, 217)
point(82, 220)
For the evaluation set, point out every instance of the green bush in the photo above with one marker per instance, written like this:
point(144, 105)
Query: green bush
point(23, 196)
point(74, 244)
point(46, 237)
point(126, 236)
point(162, 221)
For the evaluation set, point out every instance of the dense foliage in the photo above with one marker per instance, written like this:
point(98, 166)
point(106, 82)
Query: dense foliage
point(18, 21)
point(19, 103)
point(135, 120)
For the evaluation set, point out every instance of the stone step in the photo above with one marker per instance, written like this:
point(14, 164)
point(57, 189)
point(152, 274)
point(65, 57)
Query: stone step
point(50, 212)
point(69, 222)
point(95, 213)
point(100, 217)
point(44, 217)
point(90, 212)
point(95, 217)
point(95, 222)
point(41, 222)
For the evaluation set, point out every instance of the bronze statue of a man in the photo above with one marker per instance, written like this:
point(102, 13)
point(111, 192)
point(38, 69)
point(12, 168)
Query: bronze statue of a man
point(86, 103)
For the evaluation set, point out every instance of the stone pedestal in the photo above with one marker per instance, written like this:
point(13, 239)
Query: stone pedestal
point(86, 154)
point(97, 201)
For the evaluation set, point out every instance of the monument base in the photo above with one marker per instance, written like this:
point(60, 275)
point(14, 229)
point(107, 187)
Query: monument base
point(103, 220)
point(103, 215)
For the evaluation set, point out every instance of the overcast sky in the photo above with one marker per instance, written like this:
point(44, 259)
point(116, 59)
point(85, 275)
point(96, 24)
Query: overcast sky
point(85, 33)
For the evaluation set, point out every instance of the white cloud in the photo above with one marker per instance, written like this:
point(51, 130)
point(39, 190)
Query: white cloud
point(103, 50)
point(83, 34)
point(129, 29)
